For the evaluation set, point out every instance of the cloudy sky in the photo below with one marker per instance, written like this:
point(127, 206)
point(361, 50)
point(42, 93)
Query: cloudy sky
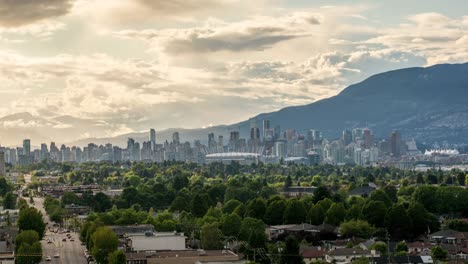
point(128, 65)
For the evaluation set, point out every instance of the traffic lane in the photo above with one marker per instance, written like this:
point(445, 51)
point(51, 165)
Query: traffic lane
point(69, 251)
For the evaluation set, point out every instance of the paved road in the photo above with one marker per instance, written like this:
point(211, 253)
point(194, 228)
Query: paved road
point(70, 252)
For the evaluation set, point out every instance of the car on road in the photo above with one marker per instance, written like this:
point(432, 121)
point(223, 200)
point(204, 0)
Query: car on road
point(48, 258)
point(72, 239)
point(64, 239)
point(57, 255)
point(49, 241)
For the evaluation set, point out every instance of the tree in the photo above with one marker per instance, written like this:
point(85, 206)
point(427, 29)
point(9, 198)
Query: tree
point(179, 182)
point(104, 242)
point(439, 253)
point(361, 260)
point(288, 182)
point(316, 215)
point(31, 219)
point(425, 195)
point(335, 215)
point(231, 224)
point(256, 208)
point(26, 237)
point(295, 212)
point(70, 198)
point(180, 204)
point(230, 206)
point(117, 257)
point(374, 212)
point(398, 222)
point(401, 247)
point(380, 195)
point(380, 247)
point(290, 253)
point(321, 193)
point(419, 217)
point(199, 205)
point(211, 237)
point(9, 201)
point(275, 212)
point(4, 186)
point(357, 228)
point(101, 202)
point(29, 253)
point(250, 225)
point(391, 191)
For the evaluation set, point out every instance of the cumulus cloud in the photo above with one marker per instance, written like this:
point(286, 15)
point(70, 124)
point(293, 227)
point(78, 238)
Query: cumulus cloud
point(258, 33)
point(122, 12)
point(436, 37)
point(14, 13)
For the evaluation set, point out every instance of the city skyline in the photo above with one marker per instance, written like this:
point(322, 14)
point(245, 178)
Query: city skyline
point(98, 70)
point(269, 144)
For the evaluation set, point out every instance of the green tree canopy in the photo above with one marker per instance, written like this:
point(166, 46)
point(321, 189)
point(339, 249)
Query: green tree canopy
point(335, 215)
point(230, 206)
point(316, 215)
point(275, 212)
point(231, 224)
point(211, 237)
point(290, 253)
point(256, 208)
point(31, 219)
point(104, 242)
point(357, 228)
point(9, 201)
point(374, 212)
point(295, 212)
point(117, 257)
point(29, 253)
point(398, 222)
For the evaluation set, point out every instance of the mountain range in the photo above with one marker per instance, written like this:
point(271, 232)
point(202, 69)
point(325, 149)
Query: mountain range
point(427, 104)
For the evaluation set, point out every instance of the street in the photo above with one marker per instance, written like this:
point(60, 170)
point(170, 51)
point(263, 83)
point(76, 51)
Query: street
point(70, 252)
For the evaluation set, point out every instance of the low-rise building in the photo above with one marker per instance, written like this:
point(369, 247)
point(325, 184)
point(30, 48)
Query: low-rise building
point(158, 241)
point(347, 255)
point(183, 257)
point(122, 230)
point(313, 254)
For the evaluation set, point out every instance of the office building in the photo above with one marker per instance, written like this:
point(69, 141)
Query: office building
point(2, 164)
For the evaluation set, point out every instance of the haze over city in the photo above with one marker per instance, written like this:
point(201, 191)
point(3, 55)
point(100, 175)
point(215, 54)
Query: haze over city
point(79, 69)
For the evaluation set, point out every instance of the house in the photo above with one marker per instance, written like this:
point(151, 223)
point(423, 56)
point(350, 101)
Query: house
point(313, 254)
point(183, 257)
point(347, 255)
point(366, 245)
point(274, 232)
point(402, 260)
point(419, 248)
point(298, 191)
point(7, 245)
point(363, 191)
point(73, 209)
point(448, 236)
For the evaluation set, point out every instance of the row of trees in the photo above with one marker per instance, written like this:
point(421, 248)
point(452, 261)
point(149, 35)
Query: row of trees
point(102, 242)
point(31, 230)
